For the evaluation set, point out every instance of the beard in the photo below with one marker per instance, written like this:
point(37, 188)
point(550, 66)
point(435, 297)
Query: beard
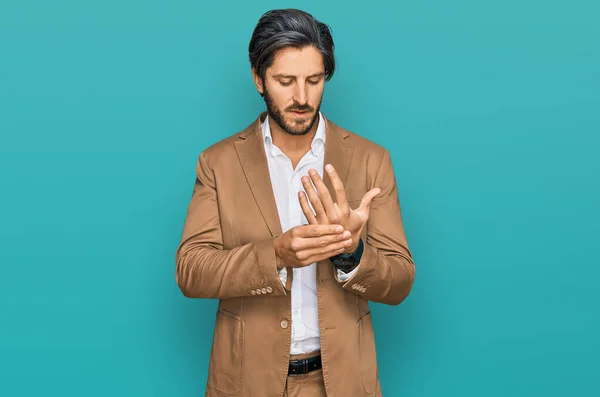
point(291, 128)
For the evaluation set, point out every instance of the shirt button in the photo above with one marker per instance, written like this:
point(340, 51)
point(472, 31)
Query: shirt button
point(295, 312)
point(284, 324)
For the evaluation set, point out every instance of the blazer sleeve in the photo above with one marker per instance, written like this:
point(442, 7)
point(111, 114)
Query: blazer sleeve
point(203, 268)
point(386, 271)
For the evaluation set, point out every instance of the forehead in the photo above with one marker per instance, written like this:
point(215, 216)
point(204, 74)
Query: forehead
point(291, 61)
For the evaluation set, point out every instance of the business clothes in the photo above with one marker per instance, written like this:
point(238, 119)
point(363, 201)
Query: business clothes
point(286, 182)
point(226, 252)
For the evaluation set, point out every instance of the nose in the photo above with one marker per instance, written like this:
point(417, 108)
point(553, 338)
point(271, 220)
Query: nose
point(300, 95)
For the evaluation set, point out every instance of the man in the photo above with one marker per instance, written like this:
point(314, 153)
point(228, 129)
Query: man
point(293, 255)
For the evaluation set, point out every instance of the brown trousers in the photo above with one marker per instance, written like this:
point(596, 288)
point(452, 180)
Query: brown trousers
point(308, 385)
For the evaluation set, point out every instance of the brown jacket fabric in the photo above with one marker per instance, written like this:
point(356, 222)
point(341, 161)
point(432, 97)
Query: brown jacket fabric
point(226, 252)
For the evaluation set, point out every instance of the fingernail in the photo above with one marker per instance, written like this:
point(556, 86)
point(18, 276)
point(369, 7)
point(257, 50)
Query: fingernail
point(346, 234)
point(328, 167)
point(339, 229)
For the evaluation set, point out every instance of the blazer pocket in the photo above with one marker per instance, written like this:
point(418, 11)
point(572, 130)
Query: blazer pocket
point(226, 371)
point(367, 352)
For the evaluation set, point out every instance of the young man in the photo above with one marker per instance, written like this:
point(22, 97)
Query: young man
point(294, 225)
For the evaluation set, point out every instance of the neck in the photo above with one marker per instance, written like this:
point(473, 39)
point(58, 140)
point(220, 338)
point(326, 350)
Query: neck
point(292, 144)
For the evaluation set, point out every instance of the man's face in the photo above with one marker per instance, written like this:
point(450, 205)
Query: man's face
point(293, 89)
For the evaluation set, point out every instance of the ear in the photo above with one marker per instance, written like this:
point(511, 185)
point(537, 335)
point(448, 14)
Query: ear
point(258, 82)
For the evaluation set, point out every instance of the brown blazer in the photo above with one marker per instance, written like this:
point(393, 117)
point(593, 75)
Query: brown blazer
point(226, 252)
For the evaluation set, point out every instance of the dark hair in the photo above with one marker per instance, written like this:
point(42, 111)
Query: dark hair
point(289, 27)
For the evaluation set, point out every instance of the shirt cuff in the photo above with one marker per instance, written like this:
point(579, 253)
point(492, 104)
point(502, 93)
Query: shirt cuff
point(342, 277)
point(282, 275)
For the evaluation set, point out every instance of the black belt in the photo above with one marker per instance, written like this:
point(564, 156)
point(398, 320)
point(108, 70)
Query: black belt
point(300, 367)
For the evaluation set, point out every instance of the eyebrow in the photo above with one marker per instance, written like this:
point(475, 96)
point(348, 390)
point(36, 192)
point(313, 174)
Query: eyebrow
point(287, 76)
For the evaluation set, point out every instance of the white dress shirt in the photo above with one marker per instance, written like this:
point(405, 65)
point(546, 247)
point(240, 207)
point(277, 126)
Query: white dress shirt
point(286, 183)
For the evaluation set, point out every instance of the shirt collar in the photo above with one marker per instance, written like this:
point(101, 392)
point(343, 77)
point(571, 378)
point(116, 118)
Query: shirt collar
point(317, 145)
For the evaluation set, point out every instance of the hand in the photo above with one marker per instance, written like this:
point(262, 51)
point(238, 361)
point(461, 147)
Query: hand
point(303, 245)
point(339, 213)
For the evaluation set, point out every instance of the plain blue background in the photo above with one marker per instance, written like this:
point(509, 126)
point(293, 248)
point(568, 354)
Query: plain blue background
point(491, 111)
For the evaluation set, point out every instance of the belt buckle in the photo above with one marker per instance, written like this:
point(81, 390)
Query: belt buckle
point(304, 366)
point(292, 363)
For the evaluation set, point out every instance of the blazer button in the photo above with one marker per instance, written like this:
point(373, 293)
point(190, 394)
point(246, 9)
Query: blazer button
point(258, 291)
point(284, 324)
point(269, 290)
point(253, 292)
point(264, 290)
point(354, 286)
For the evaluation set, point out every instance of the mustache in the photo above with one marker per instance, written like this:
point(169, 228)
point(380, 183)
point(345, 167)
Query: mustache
point(300, 108)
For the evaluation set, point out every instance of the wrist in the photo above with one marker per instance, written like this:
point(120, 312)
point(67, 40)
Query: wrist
point(348, 262)
point(279, 263)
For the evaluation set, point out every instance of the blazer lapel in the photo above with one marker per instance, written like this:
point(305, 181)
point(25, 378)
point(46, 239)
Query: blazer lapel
point(251, 153)
point(338, 153)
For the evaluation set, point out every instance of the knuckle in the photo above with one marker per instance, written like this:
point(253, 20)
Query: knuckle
point(300, 256)
point(294, 245)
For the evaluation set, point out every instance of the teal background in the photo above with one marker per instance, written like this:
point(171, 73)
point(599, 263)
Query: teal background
point(491, 111)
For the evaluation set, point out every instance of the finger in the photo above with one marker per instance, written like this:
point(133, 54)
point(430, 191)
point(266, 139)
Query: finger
point(310, 216)
point(324, 195)
point(315, 200)
point(367, 199)
point(338, 187)
point(318, 230)
point(321, 253)
point(310, 243)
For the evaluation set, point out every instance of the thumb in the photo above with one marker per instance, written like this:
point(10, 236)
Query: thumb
point(368, 198)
